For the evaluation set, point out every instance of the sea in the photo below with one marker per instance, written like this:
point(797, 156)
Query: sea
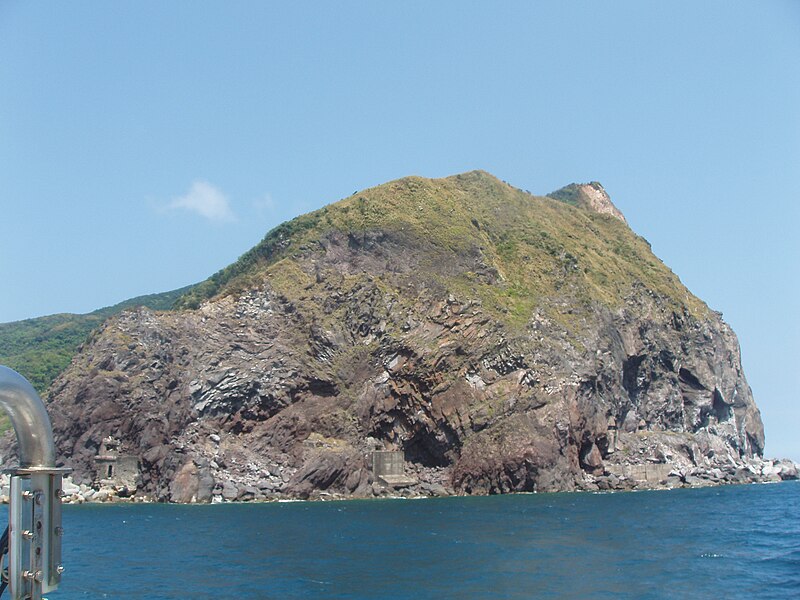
point(722, 542)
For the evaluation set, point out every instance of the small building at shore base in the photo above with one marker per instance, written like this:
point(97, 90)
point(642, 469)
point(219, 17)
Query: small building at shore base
point(115, 468)
point(389, 468)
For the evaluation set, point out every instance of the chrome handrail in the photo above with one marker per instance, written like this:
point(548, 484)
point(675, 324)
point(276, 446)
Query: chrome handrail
point(34, 508)
point(29, 418)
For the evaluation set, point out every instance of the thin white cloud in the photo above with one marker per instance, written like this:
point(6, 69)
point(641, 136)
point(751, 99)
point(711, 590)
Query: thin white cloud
point(264, 206)
point(205, 200)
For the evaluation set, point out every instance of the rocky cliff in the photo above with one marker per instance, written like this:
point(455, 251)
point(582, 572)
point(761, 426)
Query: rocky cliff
point(504, 342)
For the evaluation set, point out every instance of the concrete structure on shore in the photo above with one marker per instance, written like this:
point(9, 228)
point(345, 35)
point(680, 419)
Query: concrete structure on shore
point(116, 469)
point(389, 468)
point(652, 473)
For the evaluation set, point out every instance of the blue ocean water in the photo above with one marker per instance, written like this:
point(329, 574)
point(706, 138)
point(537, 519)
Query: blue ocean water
point(724, 542)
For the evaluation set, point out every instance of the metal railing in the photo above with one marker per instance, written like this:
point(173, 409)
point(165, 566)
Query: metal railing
point(34, 509)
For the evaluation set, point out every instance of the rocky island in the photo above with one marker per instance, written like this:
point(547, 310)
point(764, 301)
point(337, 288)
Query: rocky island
point(424, 337)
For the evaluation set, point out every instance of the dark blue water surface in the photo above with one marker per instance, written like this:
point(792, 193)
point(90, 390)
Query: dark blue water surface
point(725, 542)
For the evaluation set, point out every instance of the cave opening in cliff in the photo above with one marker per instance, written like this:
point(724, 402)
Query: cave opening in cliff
point(630, 375)
point(423, 450)
point(722, 410)
point(689, 380)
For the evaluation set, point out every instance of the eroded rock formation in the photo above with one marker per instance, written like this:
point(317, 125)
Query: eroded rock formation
point(537, 344)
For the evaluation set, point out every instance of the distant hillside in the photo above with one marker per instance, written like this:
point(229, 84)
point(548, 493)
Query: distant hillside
point(41, 348)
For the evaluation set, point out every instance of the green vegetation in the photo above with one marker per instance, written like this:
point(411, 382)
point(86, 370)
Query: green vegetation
point(242, 274)
point(569, 194)
point(40, 349)
point(471, 235)
point(541, 248)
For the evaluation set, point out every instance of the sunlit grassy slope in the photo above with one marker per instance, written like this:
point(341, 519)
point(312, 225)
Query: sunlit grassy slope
point(541, 247)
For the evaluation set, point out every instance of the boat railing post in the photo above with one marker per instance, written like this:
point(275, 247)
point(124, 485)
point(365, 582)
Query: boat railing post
point(34, 508)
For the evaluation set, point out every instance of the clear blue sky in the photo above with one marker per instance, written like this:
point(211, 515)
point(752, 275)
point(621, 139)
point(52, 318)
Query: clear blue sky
point(144, 145)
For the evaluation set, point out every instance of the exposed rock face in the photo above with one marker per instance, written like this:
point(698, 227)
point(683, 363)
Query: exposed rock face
point(452, 350)
point(592, 196)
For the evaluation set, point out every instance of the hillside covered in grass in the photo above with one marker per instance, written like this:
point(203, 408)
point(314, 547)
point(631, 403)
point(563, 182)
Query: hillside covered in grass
point(533, 247)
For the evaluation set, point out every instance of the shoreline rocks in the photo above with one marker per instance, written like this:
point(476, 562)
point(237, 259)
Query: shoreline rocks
point(754, 471)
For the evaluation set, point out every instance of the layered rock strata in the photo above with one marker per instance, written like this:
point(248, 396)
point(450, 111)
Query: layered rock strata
point(539, 347)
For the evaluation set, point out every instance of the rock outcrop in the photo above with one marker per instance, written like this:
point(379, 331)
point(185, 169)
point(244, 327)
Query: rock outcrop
point(504, 342)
